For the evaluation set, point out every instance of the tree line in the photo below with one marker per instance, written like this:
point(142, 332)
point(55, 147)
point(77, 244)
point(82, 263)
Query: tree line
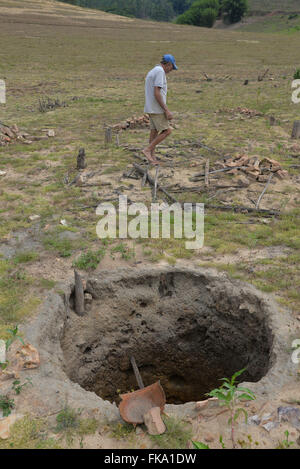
point(199, 12)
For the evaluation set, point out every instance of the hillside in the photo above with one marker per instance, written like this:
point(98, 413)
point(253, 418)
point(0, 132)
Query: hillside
point(73, 77)
point(267, 6)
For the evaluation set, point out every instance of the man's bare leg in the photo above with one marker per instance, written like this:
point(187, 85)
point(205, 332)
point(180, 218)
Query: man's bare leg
point(153, 135)
point(150, 149)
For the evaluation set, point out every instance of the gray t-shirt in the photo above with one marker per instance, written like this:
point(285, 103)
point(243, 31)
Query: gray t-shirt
point(156, 77)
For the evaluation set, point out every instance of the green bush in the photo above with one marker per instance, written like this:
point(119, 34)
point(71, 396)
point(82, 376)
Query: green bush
point(89, 260)
point(234, 10)
point(297, 74)
point(201, 13)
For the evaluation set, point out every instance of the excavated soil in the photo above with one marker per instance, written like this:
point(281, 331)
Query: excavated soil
point(186, 326)
point(182, 328)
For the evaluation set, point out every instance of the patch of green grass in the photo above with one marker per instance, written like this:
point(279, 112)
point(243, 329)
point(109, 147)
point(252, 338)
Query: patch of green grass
point(26, 256)
point(125, 251)
point(89, 260)
point(70, 425)
point(14, 305)
point(177, 435)
point(46, 283)
point(64, 247)
point(122, 430)
point(29, 433)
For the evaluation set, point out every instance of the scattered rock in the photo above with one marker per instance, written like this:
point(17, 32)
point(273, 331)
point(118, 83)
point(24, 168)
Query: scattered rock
point(8, 374)
point(79, 180)
point(51, 133)
point(6, 423)
point(132, 123)
point(28, 357)
point(266, 417)
point(2, 351)
point(88, 299)
point(153, 422)
point(242, 181)
point(34, 217)
point(270, 425)
point(202, 404)
point(254, 420)
point(3, 173)
point(289, 414)
point(139, 431)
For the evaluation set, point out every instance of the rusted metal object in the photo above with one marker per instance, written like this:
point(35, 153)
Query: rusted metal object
point(135, 405)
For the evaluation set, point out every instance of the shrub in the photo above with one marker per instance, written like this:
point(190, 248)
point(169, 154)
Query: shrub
point(201, 13)
point(234, 10)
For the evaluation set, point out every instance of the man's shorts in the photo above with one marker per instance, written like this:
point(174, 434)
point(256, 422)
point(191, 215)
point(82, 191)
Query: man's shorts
point(158, 122)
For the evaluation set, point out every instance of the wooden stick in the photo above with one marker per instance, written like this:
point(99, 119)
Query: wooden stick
point(296, 130)
point(263, 192)
point(79, 295)
point(81, 164)
point(137, 373)
point(202, 145)
point(201, 175)
point(142, 171)
point(108, 136)
point(206, 176)
point(155, 183)
point(238, 209)
point(145, 177)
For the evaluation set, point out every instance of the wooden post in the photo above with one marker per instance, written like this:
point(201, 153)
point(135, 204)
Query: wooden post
point(81, 164)
point(79, 295)
point(272, 120)
point(108, 136)
point(155, 183)
point(296, 130)
point(206, 180)
point(137, 373)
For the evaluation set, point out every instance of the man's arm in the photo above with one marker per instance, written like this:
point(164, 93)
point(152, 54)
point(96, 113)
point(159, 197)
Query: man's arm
point(160, 101)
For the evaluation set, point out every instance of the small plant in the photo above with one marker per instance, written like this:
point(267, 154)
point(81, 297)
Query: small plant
point(222, 442)
point(89, 260)
point(297, 74)
point(70, 425)
point(6, 405)
point(176, 436)
point(285, 444)
point(122, 430)
point(125, 252)
point(13, 336)
point(67, 422)
point(67, 418)
point(48, 104)
point(17, 386)
point(199, 445)
point(229, 394)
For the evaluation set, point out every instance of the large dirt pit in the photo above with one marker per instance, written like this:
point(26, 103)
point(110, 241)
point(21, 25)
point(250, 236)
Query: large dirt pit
point(184, 328)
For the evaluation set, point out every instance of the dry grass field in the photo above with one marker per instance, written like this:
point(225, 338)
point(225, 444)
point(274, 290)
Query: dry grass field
point(96, 64)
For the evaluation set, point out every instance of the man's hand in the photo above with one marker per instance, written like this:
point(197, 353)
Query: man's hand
point(169, 115)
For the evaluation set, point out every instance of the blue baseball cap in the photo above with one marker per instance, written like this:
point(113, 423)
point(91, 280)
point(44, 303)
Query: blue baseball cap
point(170, 58)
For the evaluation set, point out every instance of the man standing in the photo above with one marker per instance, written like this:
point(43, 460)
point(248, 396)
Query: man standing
point(156, 105)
